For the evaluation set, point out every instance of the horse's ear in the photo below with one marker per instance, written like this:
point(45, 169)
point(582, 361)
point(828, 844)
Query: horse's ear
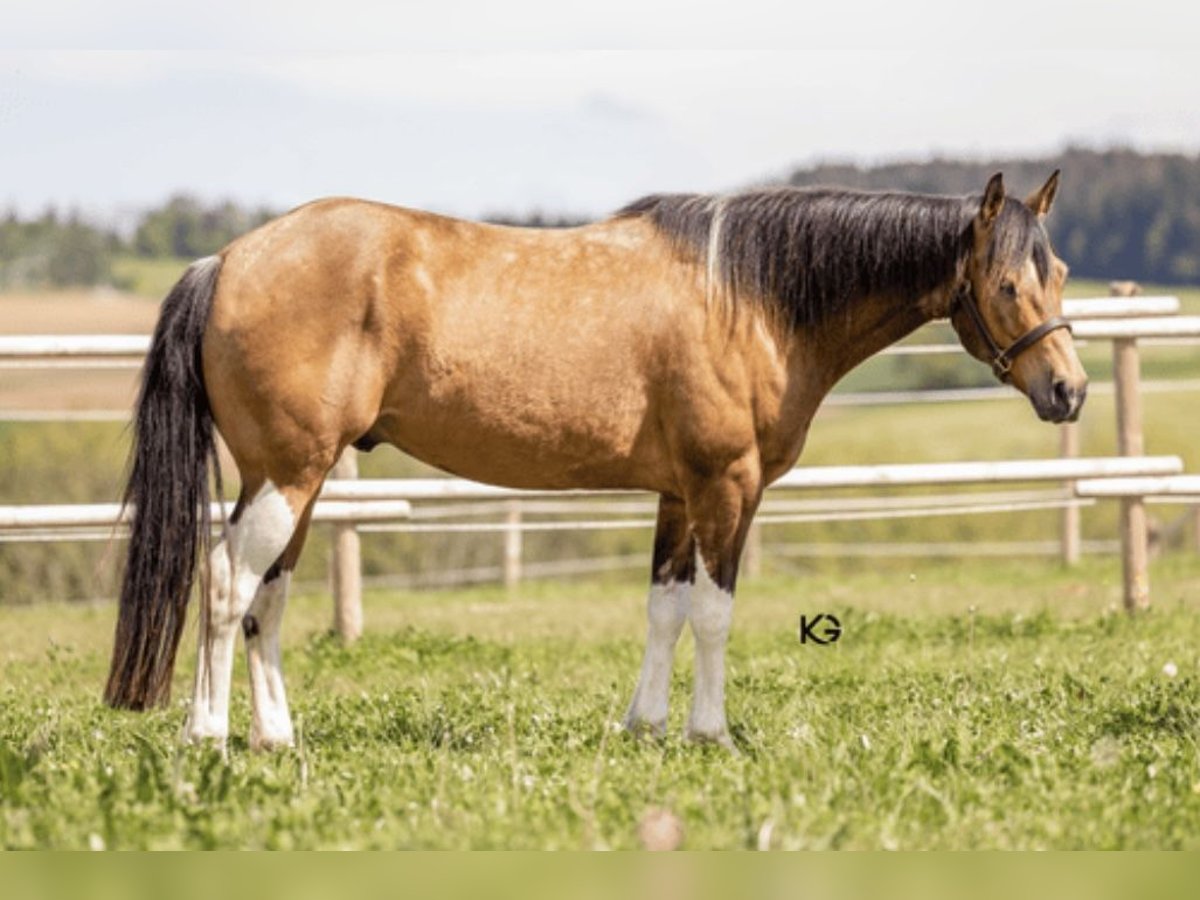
point(1042, 199)
point(993, 200)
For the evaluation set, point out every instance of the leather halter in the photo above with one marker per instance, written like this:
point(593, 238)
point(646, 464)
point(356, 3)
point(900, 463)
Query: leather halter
point(1002, 360)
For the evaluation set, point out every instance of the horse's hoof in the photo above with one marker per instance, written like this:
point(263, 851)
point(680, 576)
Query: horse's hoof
point(266, 744)
point(720, 738)
point(646, 730)
point(200, 736)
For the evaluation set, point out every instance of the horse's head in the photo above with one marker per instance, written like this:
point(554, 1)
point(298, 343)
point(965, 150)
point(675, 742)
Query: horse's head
point(1007, 308)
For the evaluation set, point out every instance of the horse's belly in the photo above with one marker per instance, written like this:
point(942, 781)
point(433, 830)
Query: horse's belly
point(528, 435)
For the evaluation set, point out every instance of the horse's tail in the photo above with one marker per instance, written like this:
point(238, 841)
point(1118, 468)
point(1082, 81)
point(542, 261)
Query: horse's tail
point(168, 493)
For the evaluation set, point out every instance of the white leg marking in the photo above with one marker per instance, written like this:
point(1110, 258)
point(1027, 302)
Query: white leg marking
point(666, 611)
point(270, 723)
point(238, 565)
point(711, 615)
point(202, 722)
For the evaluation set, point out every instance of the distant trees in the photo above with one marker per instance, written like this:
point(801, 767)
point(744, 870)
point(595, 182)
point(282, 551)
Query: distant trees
point(58, 251)
point(536, 219)
point(53, 251)
point(185, 227)
point(1119, 214)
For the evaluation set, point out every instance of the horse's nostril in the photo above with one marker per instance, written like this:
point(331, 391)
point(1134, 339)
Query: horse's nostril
point(1064, 396)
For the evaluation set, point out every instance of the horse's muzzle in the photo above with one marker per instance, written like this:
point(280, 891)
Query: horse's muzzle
point(1059, 401)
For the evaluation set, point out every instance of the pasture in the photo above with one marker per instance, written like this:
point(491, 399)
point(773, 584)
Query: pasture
point(979, 705)
point(969, 703)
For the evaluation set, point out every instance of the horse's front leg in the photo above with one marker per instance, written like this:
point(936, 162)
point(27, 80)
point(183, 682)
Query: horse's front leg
point(671, 574)
point(720, 511)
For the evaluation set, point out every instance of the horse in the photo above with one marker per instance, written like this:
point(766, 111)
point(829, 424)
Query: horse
point(681, 346)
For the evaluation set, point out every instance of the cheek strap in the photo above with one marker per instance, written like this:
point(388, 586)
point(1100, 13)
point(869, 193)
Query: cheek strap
point(1002, 359)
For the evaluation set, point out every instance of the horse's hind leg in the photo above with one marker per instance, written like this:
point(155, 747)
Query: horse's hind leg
point(666, 611)
point(257, 535)
point(270, 721)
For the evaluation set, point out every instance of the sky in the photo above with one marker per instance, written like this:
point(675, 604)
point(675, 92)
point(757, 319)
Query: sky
point(486, 108)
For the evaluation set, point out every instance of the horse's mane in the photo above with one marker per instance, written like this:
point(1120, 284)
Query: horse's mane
point(811, 252)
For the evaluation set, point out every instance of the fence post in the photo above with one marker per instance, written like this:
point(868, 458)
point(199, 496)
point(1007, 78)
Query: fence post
point(347, 563)
point(1071, 542)
point(1131, 442)
point(512, 544)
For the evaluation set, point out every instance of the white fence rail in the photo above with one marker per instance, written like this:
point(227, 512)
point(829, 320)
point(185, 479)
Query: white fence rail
point(1096, 318)
point(15, 519)
point(805, 478)
point(391, 499)
point(1184, 487)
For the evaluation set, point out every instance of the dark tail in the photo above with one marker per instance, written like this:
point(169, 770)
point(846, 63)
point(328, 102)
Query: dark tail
point(169, 495)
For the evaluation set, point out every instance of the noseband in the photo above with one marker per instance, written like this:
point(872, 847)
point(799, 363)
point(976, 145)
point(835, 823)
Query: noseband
point(1002, 360)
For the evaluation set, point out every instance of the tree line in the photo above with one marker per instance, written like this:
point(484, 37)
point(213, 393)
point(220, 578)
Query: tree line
point(57, 250)
point(1119, 214)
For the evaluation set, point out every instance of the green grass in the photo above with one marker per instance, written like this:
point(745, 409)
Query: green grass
point(968, 705)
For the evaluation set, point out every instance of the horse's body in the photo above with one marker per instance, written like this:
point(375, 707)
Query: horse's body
point(465, 345)
point(663, 349)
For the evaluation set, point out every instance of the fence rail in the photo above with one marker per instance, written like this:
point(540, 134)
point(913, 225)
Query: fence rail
point(805, 478)
point(26, 517)
point(390, 500)
point(1185, 486)
point(1098, 317)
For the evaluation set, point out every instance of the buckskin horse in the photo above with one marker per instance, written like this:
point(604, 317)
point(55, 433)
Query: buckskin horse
point(681, 346)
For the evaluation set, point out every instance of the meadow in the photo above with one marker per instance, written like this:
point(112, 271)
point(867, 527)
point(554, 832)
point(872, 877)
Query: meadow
point(973, 705)
point(970, 703)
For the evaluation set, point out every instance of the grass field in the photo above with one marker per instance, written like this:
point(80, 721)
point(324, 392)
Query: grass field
point(967, 705)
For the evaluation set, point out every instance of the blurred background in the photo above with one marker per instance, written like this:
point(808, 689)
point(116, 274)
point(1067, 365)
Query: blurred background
point(135, 137)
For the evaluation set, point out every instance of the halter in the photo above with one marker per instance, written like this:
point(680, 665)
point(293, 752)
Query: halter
point(1002, 360)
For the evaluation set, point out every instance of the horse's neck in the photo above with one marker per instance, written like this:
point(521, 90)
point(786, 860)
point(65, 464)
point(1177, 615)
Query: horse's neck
point(819, 357)
point(869, 326)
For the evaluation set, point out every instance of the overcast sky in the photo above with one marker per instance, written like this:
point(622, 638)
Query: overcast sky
point(473, 108)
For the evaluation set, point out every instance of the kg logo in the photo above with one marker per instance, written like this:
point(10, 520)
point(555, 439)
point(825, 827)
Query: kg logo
point(821, 629)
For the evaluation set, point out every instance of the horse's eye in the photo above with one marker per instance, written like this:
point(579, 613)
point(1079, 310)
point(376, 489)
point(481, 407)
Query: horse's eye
point(1008, 289)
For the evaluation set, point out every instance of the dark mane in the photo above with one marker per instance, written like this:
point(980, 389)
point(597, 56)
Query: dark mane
point(812, 252)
